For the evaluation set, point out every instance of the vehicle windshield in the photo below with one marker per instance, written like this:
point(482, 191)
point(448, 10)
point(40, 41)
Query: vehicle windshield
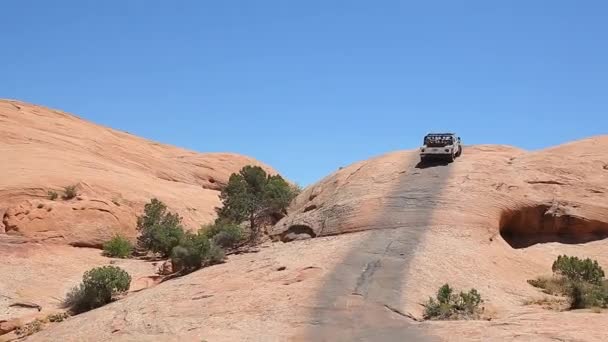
point(438, 140)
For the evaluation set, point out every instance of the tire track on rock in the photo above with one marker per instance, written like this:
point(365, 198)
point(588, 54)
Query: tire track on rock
point(361, 298)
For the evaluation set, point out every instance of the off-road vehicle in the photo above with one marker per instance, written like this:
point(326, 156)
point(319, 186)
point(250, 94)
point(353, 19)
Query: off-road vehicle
point(442, 146)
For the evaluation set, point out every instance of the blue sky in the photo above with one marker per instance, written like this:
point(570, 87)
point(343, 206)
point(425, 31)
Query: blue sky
point(309, 86)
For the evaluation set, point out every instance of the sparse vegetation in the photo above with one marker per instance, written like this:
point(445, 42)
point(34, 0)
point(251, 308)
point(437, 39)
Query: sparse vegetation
point(118, 247)
point(57, 317)
point(550, 303)
point(52, 195)
point(256, 197)
point(69, 192)
point(448, 305)
point(195, 251)
point(30, 328)
point(586, 295)
point(99, 287)
point(225, 235)
point(160, 230)
point(576, 269)
point(582, 281)
point(551, 285)
point(250, 195)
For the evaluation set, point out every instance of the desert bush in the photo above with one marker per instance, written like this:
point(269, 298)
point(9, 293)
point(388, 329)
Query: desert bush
point(160, 230)
point(448, 305)
point(99, 287)
point(195, 251)
point(587, 295)
point(118, 247)
point(225, 235)
point(165, 238)
point(75, 300)
point(582, 281)
point(52, 195)
point(190, 252)
point(556, 286)
point(58, 317)
point(576, 269)
point(69, 192)
point(30, 328)
point(228, 238)
point(216, 254)
point(256, 197)
point(550, 303)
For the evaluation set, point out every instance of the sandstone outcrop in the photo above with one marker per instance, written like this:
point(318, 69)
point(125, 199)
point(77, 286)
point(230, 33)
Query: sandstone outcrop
point(371, 242)
point(558, 194)
point(115, 174)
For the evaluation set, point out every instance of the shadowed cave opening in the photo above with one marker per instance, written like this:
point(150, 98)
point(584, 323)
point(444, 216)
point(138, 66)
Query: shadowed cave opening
point(543, 223)
point(298, 232)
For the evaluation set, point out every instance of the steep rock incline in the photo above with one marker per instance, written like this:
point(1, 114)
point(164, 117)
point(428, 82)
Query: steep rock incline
point(491, 220)
point(457, 223)
point(554, 194)
point(115, 173)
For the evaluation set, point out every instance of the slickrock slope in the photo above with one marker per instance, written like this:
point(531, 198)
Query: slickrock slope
point(493, 219)
point(41, 274)
point(115, 174)
point(557, 193)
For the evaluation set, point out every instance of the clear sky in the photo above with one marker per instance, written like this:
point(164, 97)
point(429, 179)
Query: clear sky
point(309, 86)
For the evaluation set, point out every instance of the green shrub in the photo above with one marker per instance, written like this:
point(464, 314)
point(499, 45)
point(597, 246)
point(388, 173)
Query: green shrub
point(165, 238)
point(118, 247)
point(189, 254)
point(468, 302)
point(587, 295)
point(577, 269)
point(448, 305)
point(216, 254)
point(256, 197)
point(185, 259)
point(99, 287)
point(69, 192)
point(225, 235)
point(52, 195)
point(582, 281)
point(160, 230)
point(580, 293)
point(195, 251)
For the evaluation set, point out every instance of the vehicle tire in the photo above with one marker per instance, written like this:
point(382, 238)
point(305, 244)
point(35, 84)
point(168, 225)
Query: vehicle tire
point(451, 158)
point(459, 151)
